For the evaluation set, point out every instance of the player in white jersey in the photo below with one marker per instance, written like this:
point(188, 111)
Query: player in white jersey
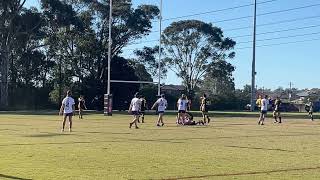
point(264, 110)
point(182, 105)
point(162, 106)
point(67, 109)
point(134, 109)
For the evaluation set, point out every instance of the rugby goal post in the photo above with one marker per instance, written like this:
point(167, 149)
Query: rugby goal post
point(108, 98)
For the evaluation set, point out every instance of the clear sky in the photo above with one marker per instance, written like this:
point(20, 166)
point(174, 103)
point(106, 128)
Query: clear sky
point(276, 65)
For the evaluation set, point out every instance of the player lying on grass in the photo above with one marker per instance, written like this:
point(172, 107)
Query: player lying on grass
point(188, 120)
point(67, 108)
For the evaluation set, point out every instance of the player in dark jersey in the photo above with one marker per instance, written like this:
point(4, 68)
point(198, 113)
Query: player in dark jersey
point(204, 109)
point(81, 106)
point(309, 109)
point(143, 108)
point(276, 110)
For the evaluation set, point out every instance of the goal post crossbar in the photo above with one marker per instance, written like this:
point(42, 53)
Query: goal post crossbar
point(135, 82)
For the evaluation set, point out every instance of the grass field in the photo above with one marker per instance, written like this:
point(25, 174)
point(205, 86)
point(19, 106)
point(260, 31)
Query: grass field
point(32, 147)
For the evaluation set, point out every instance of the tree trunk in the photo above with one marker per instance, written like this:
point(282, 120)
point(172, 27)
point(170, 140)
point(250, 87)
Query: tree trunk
point(4, 80)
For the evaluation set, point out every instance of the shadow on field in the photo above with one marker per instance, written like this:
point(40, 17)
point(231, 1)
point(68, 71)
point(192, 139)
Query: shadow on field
point(243, 173)
point(15, 125)
point(12, 177)
point(8, 130)
point(221, 137)
point(48, 135)
point(164, 140)
point(257, 148)
point(102, 132)
point(174, 141)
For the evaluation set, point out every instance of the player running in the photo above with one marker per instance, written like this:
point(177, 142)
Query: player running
point(162, 106)
point(204, 109)
point(276, 112)
point(182, 105)
point(134, 109)
point(264, 110)
point(309, 109)
point(81, 106)
point(67, 108)
point(143, 108)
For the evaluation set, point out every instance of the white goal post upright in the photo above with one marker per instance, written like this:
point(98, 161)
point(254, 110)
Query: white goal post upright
point(108, 97)
point(160, 53)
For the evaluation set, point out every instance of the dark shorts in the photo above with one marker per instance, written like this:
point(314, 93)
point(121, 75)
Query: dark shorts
point(68, 114)
point(135, 113)
point(160, 112)
point(264, 112)
point(182, 111)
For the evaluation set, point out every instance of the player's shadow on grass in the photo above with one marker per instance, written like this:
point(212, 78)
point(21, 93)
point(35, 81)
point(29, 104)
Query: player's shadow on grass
point(48, 135)
point(24, 125)
point(258, 148)
point(59, 143)
point(101, 132)
point(174, 141)
point(244, 173)
point(178, 140)
point(12, 177)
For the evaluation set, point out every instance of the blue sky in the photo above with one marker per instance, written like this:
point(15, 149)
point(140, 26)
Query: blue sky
point(276, 65)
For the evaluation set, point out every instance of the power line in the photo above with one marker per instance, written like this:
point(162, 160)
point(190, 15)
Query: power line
point(142, 42)
point(266, 24)
point(285, 30)
point(276, 44)
point(263, 33)
point(259, 25)
point(283, 37)
point(264, 45)
point(219, 10)
point(268, 13)
point(290, 20)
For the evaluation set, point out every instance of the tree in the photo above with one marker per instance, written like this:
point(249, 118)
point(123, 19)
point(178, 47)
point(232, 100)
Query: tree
point(192, 47)
point(219, 80)
point(129, 24)
point(28, 63)
point(243, 96)
point(84, 48)
point(9, 12)
point(65, 45)
point(148, 57)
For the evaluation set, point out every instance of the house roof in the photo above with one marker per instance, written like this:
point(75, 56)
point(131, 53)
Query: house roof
point(173, 87)
point(303, 94)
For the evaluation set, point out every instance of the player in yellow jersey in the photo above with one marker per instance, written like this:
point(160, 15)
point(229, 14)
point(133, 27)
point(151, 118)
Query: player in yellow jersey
point(258, 102)
point(204, 109)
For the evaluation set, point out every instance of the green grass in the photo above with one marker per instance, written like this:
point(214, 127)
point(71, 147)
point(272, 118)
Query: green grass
point(32, 147)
